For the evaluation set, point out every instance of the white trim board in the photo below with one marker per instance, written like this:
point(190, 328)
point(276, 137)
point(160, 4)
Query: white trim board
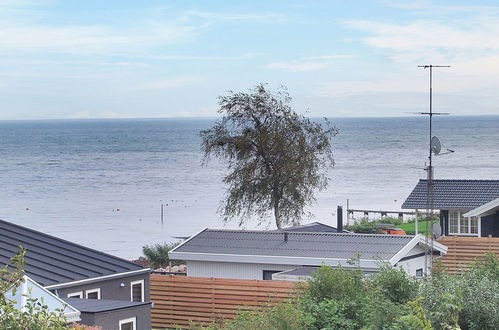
point(93, 291)
point(97, 279)
point(483, 209)
point(141, 282)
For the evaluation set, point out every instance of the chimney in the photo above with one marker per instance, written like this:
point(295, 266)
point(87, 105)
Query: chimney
point(285, 236)
point(339, 219)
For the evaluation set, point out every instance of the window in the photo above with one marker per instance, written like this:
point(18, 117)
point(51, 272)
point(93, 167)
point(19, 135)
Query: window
point(78, 294)
point(93, 294)
point(137, 291)
point(460, 225)
point(267, 274)
point(128, 324)
point(419, 273)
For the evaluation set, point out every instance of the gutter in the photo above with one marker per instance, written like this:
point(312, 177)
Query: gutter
point(97, 279)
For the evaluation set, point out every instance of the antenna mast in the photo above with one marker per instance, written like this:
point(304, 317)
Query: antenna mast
point(429, 169)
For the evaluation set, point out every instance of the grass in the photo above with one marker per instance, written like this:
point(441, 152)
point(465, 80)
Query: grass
point(410, 227)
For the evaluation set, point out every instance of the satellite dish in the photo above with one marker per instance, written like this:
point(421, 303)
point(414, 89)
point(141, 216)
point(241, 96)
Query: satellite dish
point(435, 145)
point(436, 230)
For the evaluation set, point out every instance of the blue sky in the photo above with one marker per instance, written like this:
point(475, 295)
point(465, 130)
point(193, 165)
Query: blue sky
point(122, 59)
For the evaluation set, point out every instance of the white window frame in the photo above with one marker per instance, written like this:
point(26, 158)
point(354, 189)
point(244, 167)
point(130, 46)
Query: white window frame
point(422, 273)
point(459, 217)
point(133, 320)
point(92, 291)
point(78, 294)
point(142, 283)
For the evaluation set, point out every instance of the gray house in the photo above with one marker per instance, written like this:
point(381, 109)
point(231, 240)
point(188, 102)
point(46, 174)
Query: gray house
point(253, 254)
point(77, 272)
point(467, 207)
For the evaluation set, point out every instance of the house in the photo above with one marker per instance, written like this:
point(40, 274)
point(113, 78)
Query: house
point(254, 254)
point(29, 289)
point(467, 207)
point(70, 270)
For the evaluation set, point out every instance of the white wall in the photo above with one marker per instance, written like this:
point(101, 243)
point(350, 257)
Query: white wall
point(232, 269)
point(411, 265)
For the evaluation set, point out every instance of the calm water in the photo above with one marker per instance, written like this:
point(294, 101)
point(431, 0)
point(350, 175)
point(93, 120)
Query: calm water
point(100, 183)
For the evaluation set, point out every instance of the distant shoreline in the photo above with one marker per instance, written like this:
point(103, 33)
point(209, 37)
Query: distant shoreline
point(214, 118)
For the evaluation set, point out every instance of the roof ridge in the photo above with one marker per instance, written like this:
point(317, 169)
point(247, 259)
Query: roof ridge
point(301, 233)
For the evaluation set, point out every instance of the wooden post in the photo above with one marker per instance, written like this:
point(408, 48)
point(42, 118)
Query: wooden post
point(161, 213)
point(416, 223)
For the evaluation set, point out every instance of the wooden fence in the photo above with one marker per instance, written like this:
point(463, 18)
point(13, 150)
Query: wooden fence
point(463, 251)
point(179, 300)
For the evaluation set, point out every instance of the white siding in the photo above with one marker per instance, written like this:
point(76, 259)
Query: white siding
point(232, 269)
point(411, 265)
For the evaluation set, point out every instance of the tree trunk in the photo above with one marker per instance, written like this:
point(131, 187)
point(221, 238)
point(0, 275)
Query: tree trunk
point(277, 216)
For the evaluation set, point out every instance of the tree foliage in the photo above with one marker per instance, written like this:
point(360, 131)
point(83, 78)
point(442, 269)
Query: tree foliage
point(276, 158)
point(157, 254)
point(35, 315)
point(342, 298)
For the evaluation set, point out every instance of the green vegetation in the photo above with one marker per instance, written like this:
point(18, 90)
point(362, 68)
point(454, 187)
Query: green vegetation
point(410, 227)
point(36, 315)
point(368, 226)
point(157, 254)
point(276, 157)
point(343, 298)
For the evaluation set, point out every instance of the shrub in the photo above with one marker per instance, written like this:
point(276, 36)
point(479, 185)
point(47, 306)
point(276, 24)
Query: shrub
point(394, 284)
point(364, 226)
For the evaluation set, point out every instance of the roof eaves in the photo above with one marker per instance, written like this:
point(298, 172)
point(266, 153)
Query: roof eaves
point(97, 279)
point(187, 240)
point(279, 260)
point(483, 208)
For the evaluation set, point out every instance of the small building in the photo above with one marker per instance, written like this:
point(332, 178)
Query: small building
point(70, 270)
point(467, 207)
point(29, 291)
point(254, 254)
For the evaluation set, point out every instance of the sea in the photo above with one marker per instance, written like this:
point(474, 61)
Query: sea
point(102, 183)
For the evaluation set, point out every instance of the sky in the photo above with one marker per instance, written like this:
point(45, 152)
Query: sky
point(74, 59)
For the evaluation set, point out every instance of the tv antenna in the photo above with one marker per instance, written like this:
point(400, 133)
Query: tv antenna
point(434, 149)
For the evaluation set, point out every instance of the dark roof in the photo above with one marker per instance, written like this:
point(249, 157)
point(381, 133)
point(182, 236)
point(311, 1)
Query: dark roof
point(101, 305)
point(51, 260)
point(298, 244)
point(453, 194)
point(315, 227)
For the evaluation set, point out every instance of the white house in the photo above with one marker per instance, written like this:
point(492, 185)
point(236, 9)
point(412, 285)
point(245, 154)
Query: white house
point(251, 254)
point(29, 289)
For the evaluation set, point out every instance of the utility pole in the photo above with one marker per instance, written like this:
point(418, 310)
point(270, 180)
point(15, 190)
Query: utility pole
point(429, 169)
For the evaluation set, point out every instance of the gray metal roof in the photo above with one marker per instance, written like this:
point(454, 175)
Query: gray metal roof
point(51, 260)
point(453, 194)
point(315, 227)
point(101, 305)
point(298, 244)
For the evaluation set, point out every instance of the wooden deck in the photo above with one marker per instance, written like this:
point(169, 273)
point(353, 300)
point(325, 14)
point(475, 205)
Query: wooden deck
point(180, 300)
point(463, 251)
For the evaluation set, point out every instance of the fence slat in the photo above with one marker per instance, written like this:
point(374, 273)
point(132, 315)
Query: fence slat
point(178, 300)
point(464, 251)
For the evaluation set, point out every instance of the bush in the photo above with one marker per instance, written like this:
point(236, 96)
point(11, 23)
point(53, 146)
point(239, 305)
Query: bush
point(394, 284)
point(342, 298)
point(364, 226)
point(35, 315)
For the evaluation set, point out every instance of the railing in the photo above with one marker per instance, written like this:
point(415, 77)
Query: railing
point(182, 300)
